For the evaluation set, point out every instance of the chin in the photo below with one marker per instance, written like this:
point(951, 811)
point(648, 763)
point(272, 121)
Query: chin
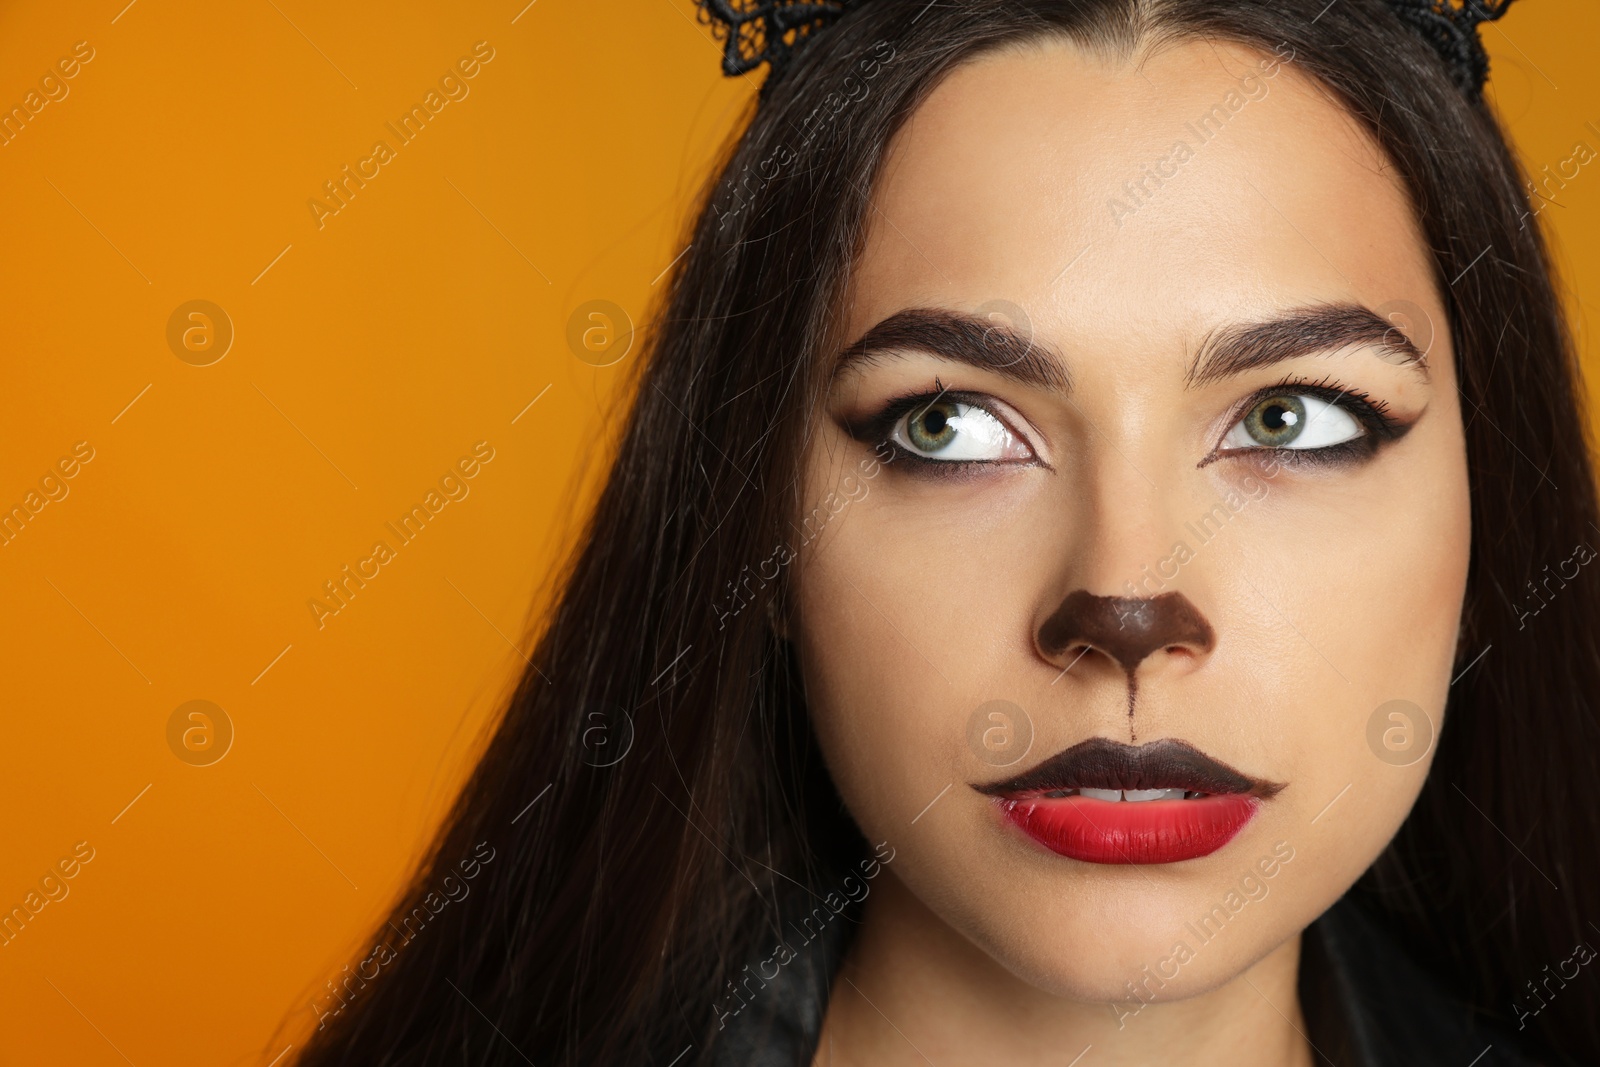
point(1097, 951)
point(1114, 933)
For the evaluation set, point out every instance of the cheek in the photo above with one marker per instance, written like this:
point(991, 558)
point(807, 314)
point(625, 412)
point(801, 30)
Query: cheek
point(1370, 589)
point(900, 638)
point(1397, 574)
point(867, 686)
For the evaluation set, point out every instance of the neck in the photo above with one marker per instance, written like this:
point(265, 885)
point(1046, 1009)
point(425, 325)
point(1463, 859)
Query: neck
point(914, 991)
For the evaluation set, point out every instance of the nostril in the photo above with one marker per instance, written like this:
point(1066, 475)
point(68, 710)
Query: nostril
point(1126, 631)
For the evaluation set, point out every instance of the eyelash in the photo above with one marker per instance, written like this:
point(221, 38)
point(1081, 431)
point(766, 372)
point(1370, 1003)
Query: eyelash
point(1380, 427)
point(876, 430)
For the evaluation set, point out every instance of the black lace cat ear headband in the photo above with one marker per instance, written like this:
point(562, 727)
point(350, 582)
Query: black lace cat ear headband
point(754, 32)
point(768, 31)
point(1451, 26)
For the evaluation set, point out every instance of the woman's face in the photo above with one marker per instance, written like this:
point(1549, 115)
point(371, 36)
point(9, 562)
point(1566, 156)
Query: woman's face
point(1123, 484)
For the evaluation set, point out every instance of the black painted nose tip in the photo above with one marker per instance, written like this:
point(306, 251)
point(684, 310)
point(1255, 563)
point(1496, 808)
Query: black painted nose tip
point(1127, 629)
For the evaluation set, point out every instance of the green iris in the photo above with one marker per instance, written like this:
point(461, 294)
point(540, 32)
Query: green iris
point(1276, 421)
point(929, 428)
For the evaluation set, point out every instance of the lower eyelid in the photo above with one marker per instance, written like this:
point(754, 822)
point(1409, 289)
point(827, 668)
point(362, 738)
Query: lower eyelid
point(1355, 450)
point(905, 459)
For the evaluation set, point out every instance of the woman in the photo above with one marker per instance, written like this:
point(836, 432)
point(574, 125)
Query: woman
point(1107, 480)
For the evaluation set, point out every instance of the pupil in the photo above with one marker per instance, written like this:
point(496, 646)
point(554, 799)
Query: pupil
point(1277, 420)
point(933, 422)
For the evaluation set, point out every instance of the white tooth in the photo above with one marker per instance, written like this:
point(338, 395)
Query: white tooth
point(1154, 794)
point(1101, 794)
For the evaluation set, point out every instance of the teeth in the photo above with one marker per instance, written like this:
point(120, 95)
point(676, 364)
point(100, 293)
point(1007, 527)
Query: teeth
point(1132, 794)
point(1153, 794)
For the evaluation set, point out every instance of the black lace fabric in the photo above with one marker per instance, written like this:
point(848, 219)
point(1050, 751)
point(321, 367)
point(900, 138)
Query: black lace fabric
point(757, 32)
point(754, 32)
point(1451, 26)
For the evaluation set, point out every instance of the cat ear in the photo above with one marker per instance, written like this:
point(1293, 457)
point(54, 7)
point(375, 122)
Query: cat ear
point(1451, 27)
point(754, 32)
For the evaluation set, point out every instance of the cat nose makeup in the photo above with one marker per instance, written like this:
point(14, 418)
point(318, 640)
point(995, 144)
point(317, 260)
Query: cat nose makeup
point(1128, 630)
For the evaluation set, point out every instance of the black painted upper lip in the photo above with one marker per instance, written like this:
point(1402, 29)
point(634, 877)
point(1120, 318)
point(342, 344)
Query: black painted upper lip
point(1100, 763)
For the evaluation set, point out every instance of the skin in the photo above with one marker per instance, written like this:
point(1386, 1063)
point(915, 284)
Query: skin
point(1334, 589)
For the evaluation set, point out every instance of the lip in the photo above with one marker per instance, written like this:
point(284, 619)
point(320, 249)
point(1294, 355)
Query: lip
point(1044, 804)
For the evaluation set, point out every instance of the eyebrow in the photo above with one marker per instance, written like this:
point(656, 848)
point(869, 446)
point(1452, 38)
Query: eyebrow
point(983, 343)
point(1322, 328)
point(1224, 352)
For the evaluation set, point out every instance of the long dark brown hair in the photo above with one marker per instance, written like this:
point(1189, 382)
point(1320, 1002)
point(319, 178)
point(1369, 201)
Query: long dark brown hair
point(622, 894)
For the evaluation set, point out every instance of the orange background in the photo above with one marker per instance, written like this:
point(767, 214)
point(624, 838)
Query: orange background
point(369, 355)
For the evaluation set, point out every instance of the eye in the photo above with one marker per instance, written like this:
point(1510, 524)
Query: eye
point(1293, 420)
point(950, 430)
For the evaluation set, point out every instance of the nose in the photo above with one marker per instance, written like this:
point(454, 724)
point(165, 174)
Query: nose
point(1127, 630)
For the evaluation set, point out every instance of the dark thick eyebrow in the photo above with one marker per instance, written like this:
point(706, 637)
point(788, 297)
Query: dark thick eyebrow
point(978, 342)
point(1318, 330)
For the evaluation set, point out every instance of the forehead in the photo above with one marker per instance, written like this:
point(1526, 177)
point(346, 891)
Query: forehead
point(1120, 200)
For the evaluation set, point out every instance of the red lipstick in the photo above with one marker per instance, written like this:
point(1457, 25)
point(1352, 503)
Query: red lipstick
point(1150, 831)
point(1101, 801)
